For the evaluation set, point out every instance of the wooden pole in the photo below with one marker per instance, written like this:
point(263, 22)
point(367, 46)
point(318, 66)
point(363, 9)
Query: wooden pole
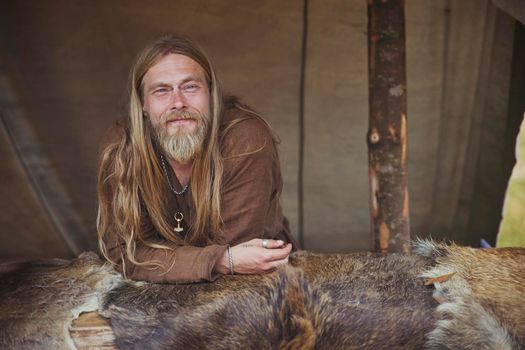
point(387, 133)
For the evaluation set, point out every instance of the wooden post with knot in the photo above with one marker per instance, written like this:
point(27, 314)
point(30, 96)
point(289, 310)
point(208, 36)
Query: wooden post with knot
point(387, 133)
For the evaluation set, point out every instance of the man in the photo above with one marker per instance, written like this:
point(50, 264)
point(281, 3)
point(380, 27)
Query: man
point(189, 185)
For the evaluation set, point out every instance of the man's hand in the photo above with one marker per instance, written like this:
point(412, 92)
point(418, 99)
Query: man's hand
point(252, 258)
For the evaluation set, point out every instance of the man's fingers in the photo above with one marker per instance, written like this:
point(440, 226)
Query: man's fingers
point(271, 243)
point(279, 253)
point(265, 243)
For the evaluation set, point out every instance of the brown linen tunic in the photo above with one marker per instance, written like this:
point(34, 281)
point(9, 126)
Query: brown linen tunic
point(250, 207)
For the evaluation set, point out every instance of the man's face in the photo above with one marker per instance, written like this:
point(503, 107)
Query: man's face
point(177, 101)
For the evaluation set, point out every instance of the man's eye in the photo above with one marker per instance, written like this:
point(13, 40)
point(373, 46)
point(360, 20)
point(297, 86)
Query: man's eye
point(160, 91)
point(190, 87)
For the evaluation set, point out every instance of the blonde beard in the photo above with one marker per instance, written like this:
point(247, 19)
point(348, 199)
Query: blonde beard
point(182, 145)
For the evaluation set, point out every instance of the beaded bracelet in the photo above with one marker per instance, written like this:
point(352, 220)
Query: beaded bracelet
point(230, 259)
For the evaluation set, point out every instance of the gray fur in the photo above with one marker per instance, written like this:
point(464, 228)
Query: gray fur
point(39, 300)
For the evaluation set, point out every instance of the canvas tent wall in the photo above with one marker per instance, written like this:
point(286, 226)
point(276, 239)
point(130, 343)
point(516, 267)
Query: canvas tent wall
point(63, 69)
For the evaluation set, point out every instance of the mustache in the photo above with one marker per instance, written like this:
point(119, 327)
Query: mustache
point(180, 115)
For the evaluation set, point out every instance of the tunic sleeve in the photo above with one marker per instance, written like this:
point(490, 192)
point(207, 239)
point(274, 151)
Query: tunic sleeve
point(178, 264)
point(251, 183)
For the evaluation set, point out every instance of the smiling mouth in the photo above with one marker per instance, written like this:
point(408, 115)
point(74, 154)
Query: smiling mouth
point(180, 120)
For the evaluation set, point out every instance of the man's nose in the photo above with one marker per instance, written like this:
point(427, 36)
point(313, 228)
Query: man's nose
point(178, 100)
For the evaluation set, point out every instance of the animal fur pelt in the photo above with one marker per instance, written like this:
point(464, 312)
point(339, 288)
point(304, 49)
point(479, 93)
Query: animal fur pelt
point(352, 301)
point(39, 299)
point(320, 301)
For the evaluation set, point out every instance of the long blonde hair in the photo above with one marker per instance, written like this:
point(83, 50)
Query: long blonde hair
point(131, 184)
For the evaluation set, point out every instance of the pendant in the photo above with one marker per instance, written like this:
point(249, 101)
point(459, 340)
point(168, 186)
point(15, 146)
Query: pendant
point(178, 217)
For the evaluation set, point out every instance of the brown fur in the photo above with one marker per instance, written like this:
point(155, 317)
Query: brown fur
point(483, 302)
point(318, 301)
